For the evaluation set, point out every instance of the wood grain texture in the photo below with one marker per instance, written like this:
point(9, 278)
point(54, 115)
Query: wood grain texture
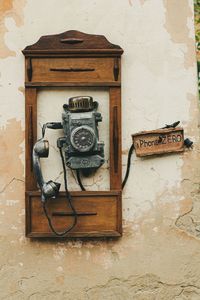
point(57, 44)
point(116, 68)
point(30, 138)
point(115, 139)
point(30, 135)
point(105, 205)
point(43, 70)
point(72, 84)
point(29, 69)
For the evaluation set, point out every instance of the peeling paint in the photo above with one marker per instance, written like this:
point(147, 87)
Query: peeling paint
point(130, 2)
point(143, 1)
point(147, 287)
point(11, 179)
point(158, 256)
point(177, 14)
point(22, 90)
point(9, 9)
point(11, 167)
point(188, 221)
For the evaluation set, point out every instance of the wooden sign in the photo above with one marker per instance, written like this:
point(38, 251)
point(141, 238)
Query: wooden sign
point(158, 141)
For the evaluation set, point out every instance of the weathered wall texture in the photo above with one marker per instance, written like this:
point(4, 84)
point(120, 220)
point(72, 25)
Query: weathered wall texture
point(158, 256)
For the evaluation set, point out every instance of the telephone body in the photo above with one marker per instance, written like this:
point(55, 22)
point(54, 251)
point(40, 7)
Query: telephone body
point(81, 146)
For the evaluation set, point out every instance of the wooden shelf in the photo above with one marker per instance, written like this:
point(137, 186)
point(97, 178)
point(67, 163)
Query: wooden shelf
point(99, 214)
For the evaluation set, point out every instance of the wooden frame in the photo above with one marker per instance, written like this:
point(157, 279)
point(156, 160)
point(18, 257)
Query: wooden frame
point(67, 60)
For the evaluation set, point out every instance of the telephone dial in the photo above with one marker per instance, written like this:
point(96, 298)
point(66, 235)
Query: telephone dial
point(80, 149)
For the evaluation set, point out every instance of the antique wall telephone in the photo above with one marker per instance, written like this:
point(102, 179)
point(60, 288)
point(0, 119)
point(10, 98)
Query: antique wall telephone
point(81, 147)
point(76, 59)
point(73, 59)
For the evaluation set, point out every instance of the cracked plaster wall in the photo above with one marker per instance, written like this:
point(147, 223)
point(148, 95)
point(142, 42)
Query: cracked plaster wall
point(159, 254)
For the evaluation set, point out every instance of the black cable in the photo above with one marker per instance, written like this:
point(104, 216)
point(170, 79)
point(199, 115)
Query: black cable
point(79, 180)
point(44, 129)
point(130, 152)
point(68, 196)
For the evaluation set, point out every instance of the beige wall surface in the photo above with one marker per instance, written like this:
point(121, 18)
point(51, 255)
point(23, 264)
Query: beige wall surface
point(158, 256)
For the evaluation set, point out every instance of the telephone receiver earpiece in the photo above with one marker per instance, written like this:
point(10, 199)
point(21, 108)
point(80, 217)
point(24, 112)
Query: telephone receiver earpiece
point(50, 188)
point(41, 148)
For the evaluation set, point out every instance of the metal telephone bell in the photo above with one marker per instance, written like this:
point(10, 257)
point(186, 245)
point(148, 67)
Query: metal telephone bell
point(80, 144)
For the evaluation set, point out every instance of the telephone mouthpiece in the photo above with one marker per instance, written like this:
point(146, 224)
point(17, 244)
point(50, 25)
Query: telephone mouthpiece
point(50, 189)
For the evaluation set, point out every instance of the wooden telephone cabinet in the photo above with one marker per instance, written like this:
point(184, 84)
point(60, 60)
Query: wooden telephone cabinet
point(74, 59)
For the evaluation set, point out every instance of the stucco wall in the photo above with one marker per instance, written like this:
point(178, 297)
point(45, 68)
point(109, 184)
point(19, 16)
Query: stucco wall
point(158, 256)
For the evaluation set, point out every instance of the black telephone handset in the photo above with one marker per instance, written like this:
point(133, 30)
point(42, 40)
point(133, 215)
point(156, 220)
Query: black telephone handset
point(81, 146)
point(48, 189)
